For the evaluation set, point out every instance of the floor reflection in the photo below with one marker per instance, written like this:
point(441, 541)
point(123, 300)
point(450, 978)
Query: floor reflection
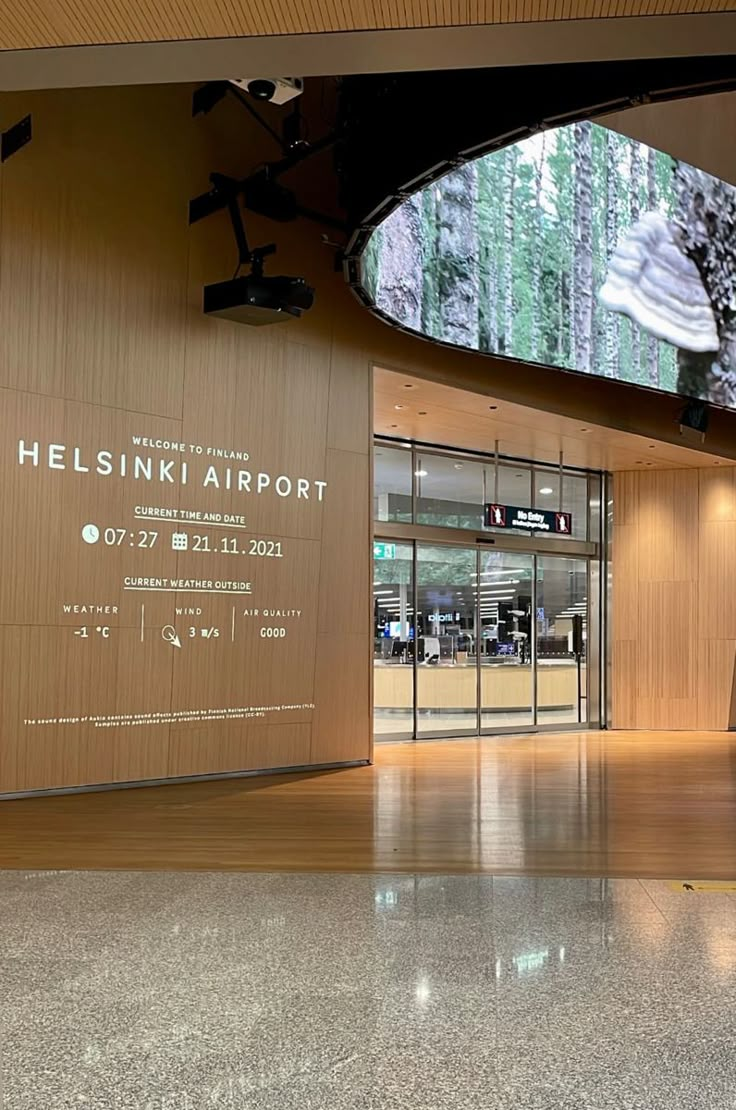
point(197, 991)
point(616, 804)
point(578, 803)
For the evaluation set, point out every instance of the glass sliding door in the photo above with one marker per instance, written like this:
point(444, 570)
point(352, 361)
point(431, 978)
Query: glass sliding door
point(505, 597)
point(470, 640)
point(446, 640)
point(393, 635)
point(562, 640)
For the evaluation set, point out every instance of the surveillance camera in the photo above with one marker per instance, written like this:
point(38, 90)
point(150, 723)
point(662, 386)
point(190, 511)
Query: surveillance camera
point(274, 90)
point(262, 89)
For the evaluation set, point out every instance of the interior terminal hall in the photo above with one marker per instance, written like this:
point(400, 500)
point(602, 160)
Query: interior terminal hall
point(367, 618)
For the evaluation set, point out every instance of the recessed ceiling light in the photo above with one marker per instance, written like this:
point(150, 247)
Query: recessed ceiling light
point(717, 462)
point(650, 464)
point(422, 412)
point(398, 406)
point(585, 430)
point(640, 462)
point(393, 425)
point(651, 446)
point(546, 490)
point(493, 406)
point(409, 385)
point(458, 466)
point(420, 473)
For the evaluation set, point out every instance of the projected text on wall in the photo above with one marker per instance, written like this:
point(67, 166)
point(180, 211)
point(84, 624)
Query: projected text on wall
point(154, 566)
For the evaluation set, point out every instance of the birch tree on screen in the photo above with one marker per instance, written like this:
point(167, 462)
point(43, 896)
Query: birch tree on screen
point(556, 249)
point(582, 298)
point(457, 257)
point(402, 273)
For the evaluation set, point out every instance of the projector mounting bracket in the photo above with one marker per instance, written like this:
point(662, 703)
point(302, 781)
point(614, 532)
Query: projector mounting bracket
point(229, 188)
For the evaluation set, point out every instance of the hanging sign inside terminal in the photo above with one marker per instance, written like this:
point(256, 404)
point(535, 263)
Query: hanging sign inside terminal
point(528, 520)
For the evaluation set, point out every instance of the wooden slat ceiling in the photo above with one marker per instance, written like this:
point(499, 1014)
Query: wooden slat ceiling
point(406, 407)
point(43, 23)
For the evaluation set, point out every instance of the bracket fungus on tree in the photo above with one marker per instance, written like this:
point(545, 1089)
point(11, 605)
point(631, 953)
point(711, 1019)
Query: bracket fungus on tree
point(652, 280)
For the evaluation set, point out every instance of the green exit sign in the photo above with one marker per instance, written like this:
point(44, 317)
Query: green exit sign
point(384, 550)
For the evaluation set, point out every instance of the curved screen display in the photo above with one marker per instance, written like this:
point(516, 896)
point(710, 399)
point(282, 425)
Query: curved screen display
point(577, 248)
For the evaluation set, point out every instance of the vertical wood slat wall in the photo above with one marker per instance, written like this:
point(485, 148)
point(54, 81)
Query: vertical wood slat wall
point(42, 23)
point(674, 599)
point(101, 336)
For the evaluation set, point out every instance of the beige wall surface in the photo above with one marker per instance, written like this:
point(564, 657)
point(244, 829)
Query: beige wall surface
point(102, 340)
point(690, 129)
point(674, 606)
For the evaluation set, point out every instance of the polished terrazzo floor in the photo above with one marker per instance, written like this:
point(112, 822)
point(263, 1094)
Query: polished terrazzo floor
point(196, 991)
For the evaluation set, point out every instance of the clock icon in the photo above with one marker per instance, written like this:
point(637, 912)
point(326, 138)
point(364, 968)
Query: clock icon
point(90, 533)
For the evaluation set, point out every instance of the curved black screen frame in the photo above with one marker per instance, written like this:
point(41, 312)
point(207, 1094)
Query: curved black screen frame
point(401, 132)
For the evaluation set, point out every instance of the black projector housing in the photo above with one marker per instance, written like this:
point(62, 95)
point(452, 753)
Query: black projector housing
point(258, 300)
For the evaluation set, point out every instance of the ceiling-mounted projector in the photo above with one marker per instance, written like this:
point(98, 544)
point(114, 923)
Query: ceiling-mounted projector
point(254, 299)
point(274, 90)
point(251, 298)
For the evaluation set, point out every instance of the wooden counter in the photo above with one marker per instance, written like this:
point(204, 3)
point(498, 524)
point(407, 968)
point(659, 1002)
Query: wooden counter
point(503, 685)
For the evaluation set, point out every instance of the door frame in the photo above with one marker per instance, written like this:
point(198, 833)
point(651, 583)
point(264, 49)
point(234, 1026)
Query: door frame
point(535, 547)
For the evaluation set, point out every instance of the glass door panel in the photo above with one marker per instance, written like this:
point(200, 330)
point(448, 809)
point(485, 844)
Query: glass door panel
point(504, 592)
point(446, 670)
point(562, 630)
point(499, 640)
point(393, 634)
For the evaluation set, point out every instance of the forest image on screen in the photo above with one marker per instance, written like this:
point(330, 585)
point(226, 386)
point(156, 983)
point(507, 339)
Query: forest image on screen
point(577, 248)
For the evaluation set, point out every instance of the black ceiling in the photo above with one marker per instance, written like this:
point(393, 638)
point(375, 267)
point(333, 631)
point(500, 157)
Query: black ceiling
point(398, 132)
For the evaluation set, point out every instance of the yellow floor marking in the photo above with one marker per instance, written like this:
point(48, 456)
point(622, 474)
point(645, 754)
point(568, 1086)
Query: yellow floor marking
point(706, 886)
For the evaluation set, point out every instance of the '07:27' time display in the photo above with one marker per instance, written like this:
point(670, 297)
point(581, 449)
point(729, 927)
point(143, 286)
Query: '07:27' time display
point(183, 541)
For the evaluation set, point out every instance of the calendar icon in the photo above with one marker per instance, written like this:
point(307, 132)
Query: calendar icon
point(180, 541)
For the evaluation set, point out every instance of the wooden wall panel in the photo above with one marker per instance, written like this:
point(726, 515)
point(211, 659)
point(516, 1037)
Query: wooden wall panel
point(39, 23)
point(674, 607)
point(624, 667)
point(715, 681)
point(666, 713)
point(238, 748)
point(667, 511)
point(350, 393)
point(666, 665)
point(717, 596)
point(342, 695)
point(627, 498)
point(92, 235)
point(102, 338)
point(345, 522)
point(626, 561)
point(718, 494)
